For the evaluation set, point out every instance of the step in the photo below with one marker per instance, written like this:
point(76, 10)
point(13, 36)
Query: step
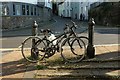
point(86, 73)
point(84, 65)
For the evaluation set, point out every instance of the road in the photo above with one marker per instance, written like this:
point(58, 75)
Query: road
point(102, 35)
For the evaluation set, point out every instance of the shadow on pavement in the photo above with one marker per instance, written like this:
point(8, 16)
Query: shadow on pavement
point(20, 66)
point(109, 56)
point(96, 73)
point(15, 67)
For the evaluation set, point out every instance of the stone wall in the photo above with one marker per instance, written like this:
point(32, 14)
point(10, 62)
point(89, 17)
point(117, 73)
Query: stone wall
point(18, 21)
point(9, 22)
point(108, 13)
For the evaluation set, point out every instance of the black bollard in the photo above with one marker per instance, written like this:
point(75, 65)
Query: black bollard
point(34, 52)
point(34, 28)
point(90, 47)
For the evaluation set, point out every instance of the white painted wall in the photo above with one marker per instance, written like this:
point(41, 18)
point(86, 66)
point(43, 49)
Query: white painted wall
point(75, 9)
point(48, 4)
point(60, 10)
point(65, 9)
point(83, 9)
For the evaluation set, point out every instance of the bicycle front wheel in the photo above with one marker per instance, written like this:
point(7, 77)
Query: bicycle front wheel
point(85, 39)
point(33, 53)
point(73, 49)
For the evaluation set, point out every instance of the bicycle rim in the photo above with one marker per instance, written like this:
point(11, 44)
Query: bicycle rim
point(27, 50)
point(73, 51)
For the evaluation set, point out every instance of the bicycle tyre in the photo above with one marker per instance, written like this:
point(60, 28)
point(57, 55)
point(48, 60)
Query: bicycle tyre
point(69, 55)
point(26, 49)
point(82, 46)
point(85, 39)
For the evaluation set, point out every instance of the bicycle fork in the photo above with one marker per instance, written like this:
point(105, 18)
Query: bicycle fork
point(72, 43)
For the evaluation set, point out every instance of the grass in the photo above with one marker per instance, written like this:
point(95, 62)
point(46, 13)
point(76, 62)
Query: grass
point(39, 67)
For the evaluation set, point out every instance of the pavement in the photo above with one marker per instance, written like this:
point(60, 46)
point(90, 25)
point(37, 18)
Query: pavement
point(104, 66)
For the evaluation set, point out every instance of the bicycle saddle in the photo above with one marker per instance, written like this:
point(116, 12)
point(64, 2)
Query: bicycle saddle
point(45, 30)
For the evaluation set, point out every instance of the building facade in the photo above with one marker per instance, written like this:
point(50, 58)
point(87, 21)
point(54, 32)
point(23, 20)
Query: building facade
point(65, 9)
point(83, 10)
point(19, 14)
point(45, 3)
point(19, 9)
point(76, 10)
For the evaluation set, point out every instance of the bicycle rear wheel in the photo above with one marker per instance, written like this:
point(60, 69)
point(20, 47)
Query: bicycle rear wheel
point(73, 49)
point(30, 53)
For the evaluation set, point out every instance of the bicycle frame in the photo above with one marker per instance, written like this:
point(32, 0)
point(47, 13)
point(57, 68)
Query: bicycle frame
point(62, 36)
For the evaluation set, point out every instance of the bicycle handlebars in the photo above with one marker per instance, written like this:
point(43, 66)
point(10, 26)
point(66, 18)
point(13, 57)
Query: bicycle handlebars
point(73, 26)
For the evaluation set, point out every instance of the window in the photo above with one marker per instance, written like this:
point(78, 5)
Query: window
point(63, 12)
point(86, 8)
point(27, 9)
point(13, 9)
point(17, 9)
point(67, 3)
point(5, 9)
point(38, 11)
point(35, 11)
point(67, 13)
point(23, 9)
point(31, 10)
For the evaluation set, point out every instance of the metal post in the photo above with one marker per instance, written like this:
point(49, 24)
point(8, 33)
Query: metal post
point(90, 47)
point(34, 28)
point(34, 33)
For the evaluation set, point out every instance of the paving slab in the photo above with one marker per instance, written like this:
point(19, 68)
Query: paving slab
point(14, 66)
point(76, 73)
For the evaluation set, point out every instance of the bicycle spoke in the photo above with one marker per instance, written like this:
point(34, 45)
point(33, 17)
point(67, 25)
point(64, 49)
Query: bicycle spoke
point(30, 53)
point(74, 51)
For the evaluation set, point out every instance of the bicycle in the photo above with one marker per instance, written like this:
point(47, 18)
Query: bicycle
point(85, 39)
point(45, 48)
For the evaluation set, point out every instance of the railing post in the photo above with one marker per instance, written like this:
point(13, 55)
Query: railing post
point(34, 33)
point(90, 47)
